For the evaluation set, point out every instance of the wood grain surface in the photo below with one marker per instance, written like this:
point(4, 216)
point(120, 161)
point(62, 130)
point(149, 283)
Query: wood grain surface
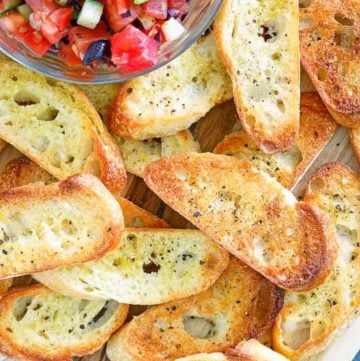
point(211, 129)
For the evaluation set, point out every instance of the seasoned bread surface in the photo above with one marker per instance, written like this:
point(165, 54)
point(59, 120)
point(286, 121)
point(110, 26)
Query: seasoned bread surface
point(310, 320)
point(173, 97)
point(38, 324)
point(150, 266)
point(137, 154)
point(47, 226)
point(55, 125)
point(316, 129)
point(259, 44)
point(250, 214)
point(211, 321)
point(330, 40)
point(101, 96)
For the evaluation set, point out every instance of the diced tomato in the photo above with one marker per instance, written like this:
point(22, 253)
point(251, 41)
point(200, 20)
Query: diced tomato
point(51, 32)
point(80, 37)
point(68, 55)
point(45, 6)
point(133, 50)
point(119, 13)
point(61, 17)
point(36, 41)
point(16, 25)
point(156, 9)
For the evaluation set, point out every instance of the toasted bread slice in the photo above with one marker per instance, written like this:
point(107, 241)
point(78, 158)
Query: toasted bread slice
point(22, 171)
point(354, 135)
point(316, 129)
point(137, 154)
point(173, 97)
point(47, 226)
point(55, 125)
point(150, 266)
point(101, 96)
point(3, 145)
point(136, 217)
point(181, 142)
point(330, 53)
point(259, 45)
point(310, 320)
point(250, 214)
point(39, 324)
point(251, 350)
point(211, 321)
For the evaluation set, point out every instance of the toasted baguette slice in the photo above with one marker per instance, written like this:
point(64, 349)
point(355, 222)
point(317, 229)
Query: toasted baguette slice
point(316, 129)
point(55, 125)
point(251, 350)
point(250, 214)
point(137, 154)
point(101, 96)
point(173, 97)
point(259, 45)
point(136, 217)
point(43, 227)
point(150, 266)
point(181, 142)
point(22, 171)
point(38, 324)
point(310, 320)
point(354, 135)
point(211, 321)
point(330, 52)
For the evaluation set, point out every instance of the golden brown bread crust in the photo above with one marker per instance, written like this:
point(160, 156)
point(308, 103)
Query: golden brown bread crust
point(5, 285)
point(354, 135)
point(245, 210)
point(330, 44)
point(11, 348)
point(82, 185)
point(230, 304)
point(22, 171)
point(283, 138)
point(316, 128)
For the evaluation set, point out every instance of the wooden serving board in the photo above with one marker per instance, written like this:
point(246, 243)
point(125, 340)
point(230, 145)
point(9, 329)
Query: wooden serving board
point(209, 131)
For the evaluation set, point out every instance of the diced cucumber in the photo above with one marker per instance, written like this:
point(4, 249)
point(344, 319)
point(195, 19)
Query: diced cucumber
point(172, 29)
point(9, 4)
point(25, 11)
point(90, 14)
point(139, 2)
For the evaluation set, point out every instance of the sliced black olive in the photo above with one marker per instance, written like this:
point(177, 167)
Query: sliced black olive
point(97, 51)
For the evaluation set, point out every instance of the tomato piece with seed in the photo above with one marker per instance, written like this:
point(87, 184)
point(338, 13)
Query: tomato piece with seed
point(68, 56)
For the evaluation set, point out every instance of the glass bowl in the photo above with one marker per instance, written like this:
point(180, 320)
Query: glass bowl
point(199, 18)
